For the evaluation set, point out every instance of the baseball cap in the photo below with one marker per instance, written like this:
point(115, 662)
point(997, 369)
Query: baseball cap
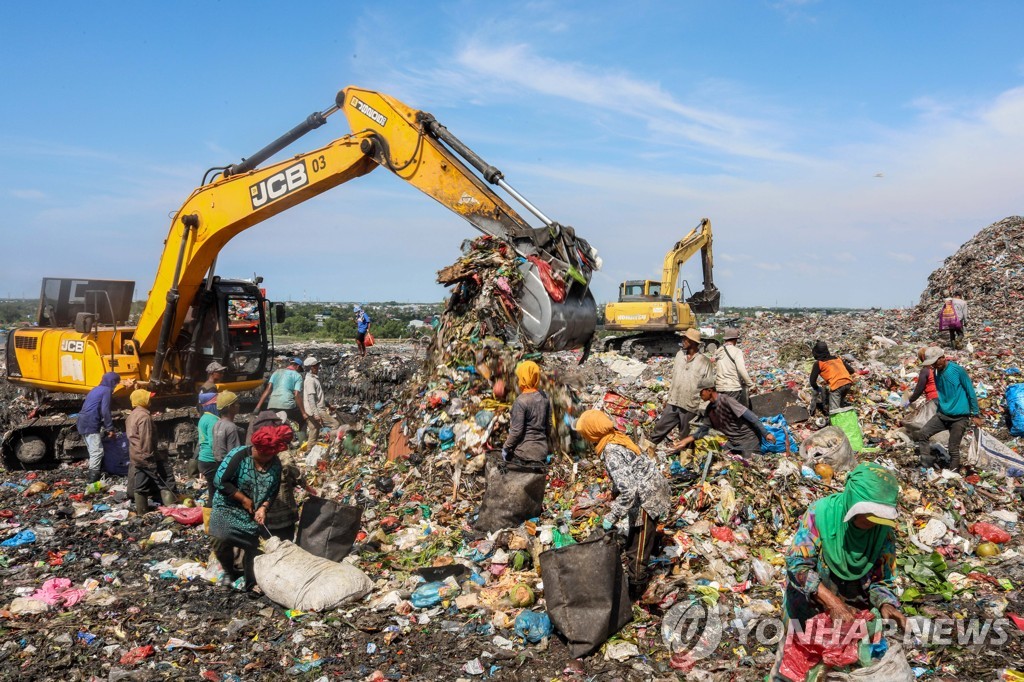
point(705, 382)
point(931, 354)
point(215, 367)
point(226, 399)
point(881, 514)
point(310, 361)
point(295, 361)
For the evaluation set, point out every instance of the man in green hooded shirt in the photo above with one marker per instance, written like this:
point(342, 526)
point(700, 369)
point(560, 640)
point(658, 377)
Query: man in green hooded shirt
point(843, 556)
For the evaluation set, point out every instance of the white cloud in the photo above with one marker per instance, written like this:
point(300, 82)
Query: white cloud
point(901, 257)
point(27, 194)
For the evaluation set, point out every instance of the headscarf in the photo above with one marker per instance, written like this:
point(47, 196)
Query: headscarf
point(208, 402)
point(849, 551)
point(225, 399)
point(528, 373)
point(820, 351)
point(272, 439)
point(597, 427)
point(140, 397)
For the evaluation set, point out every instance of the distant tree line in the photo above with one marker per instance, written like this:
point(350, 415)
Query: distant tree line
point(337, 323)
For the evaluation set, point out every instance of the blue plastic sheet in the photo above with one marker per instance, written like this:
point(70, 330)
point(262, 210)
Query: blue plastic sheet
point(778, 427)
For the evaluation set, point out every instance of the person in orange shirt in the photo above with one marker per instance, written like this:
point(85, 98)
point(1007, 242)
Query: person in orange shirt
point(838, 378)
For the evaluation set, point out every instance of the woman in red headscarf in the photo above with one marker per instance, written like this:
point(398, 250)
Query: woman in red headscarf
point(247, 482)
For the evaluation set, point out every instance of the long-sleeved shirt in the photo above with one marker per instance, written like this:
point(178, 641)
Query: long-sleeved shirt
point(95, 412)
point(313, 399)
point(956, 392)
point(528, 427)
point(139, 429)
point(806, 570)
point(925, 385)
point(686, 374)
point(741, 426)
point(731, 369)
point(226, 437)
point(362, 322)
point(638, 482)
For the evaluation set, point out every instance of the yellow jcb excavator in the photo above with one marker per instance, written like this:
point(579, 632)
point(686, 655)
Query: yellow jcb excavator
point(193, 317)
point(656, 312)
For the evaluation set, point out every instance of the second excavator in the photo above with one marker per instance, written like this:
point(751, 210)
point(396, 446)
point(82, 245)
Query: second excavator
point(654, 313)
point(192, 317)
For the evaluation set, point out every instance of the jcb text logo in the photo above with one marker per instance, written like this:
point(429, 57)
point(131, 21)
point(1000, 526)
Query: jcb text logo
point(72, 346)
point(279, 184)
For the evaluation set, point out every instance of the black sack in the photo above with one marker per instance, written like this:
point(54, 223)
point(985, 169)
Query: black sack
point(328, 529)
point(585, 592)
point(515, 493)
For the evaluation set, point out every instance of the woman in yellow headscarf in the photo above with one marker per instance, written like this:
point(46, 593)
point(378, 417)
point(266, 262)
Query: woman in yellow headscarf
point(531, 418)
point(642, 495)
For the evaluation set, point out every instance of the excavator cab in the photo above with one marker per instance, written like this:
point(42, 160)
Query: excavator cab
point(227, 324)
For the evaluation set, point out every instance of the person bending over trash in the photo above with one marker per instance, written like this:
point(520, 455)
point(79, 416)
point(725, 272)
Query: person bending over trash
point(247, 482)
point(957, 406)
point(642, 495)
point(734, 421)
point(925, 382)
point(689, 368)
point(843, 556)
point(151, 476)
point(95, 421)
point(530, 420)
point(837, 375)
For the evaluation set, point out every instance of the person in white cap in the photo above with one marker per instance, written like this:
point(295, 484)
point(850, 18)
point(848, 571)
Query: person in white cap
point(731, 376)
point(314, 401)
point(958, 405)
point(689, 369)
point(214, 375)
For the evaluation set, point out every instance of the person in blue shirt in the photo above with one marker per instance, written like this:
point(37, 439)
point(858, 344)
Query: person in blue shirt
point(362, 328)
point(284, 393)
point(95, 421)
point(958, 405)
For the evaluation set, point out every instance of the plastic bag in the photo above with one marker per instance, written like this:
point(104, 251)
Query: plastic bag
point(989, 532)
point(431, 594)
point(778, 427)
point(533, 626)
point(893, 667)
point(847, 420)
point(919, 417)
point(821, 642)
point(986, 452)
point(368, 340)
point(186, 516)
point(115, 455)
point(830, 446)
point(1015, 406)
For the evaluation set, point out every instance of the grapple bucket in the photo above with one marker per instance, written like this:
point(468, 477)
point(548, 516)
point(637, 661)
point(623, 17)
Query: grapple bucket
point(550, 325)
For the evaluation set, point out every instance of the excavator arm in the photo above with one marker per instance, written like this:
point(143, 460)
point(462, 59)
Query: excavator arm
point(707, 300)
point(413, 146)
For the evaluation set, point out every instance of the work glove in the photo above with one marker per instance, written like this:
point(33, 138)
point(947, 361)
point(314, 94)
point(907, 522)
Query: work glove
point(607, 523)
point(504, 455)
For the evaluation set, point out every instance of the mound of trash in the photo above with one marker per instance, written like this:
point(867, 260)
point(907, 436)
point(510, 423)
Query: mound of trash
point(987, 272)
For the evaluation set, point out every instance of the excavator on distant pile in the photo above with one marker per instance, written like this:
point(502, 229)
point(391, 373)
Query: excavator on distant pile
point(193, 317)
point(655, 313)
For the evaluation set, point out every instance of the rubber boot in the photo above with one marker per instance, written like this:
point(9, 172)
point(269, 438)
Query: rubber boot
point(141, 504)
point(168, 498)
point(95, 475)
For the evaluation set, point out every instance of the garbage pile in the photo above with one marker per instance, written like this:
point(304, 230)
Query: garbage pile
point(90, 589)
point(987, 272)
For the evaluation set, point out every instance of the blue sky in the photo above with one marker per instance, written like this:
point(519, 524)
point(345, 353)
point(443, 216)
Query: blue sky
point(840, 149)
